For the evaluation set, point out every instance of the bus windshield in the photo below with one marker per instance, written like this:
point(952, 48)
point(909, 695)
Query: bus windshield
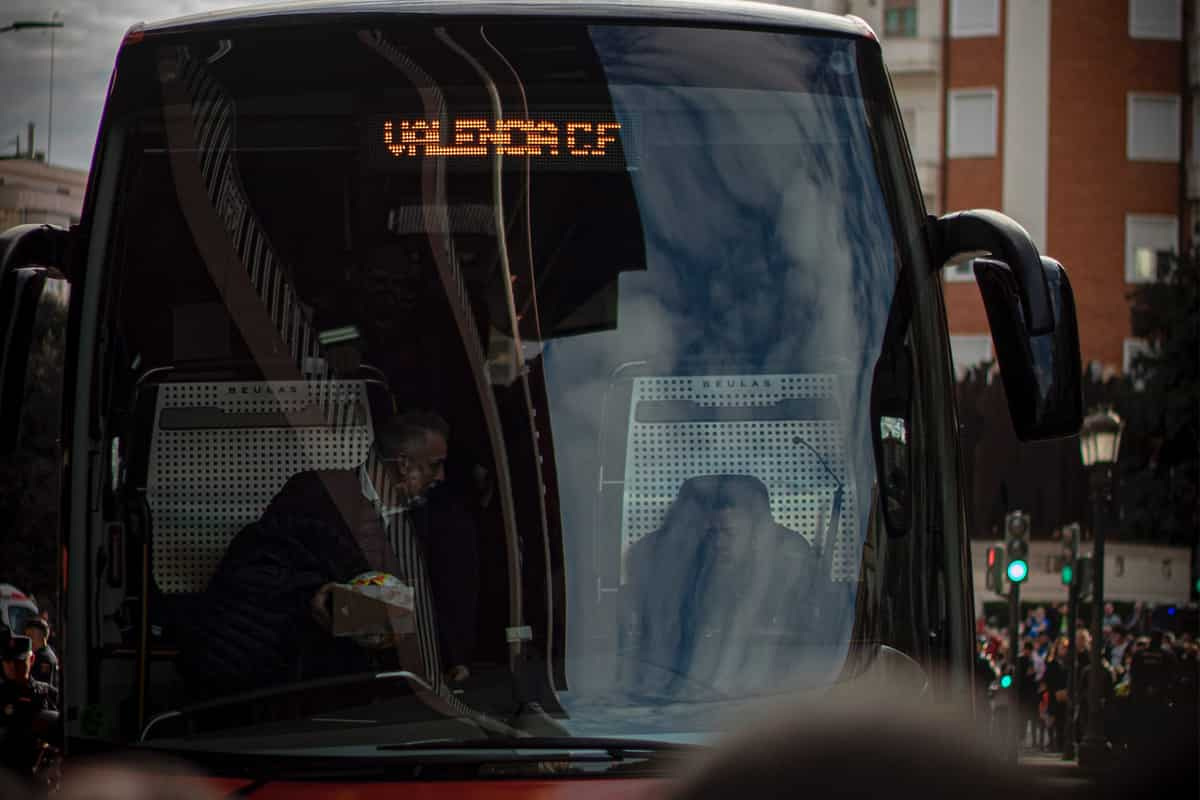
point(571, 330)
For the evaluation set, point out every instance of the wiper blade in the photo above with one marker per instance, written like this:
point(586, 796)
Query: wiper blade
point(617, 749)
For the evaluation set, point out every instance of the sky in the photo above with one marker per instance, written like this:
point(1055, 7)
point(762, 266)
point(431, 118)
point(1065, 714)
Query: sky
point(84, 51)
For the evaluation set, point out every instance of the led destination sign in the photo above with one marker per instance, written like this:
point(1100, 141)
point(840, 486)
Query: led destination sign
point(555, 141)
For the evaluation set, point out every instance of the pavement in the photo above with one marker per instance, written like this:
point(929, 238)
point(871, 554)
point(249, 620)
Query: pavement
point(1057, 778)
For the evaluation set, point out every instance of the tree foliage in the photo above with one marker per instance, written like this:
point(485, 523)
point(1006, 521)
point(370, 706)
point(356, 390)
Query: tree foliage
point(1161, 401)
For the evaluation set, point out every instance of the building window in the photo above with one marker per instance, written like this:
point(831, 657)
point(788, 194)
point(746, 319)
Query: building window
point(972, 123)
point(1156, 19)
point(1152, 127)
point(1149, 241)
point(968, 352)
point(900, 18)
point(1130, 350)
point(974, 18)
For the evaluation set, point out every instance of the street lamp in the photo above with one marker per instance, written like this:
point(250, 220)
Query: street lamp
point(1100, 439)
point(1099, 444)
point(53, 23)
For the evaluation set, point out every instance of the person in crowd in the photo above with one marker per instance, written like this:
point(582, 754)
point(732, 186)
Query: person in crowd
point(1117, 644)
point(1083, 645)
point(985, 675)
point(45, 661)
point(1054, 685)
point(1121, 670)
point(1053, 620)
point(1062, 621)
point(1037, 624)
point(1185, 681)
point(1027, 696)
point(1111, 618)
point(1041, 651)
point(267, 618)
point(1151, 675)
point(23, 701)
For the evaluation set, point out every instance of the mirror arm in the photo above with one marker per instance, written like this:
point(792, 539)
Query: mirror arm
point(1001, 236)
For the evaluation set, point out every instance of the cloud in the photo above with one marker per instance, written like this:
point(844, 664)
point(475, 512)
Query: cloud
point(84, 52)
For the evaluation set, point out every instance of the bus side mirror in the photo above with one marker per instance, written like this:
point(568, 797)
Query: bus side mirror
point(1042, 374)
point(1031, 311)
point(20, 294)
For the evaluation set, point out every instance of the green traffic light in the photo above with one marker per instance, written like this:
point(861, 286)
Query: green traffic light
point(1005, 681)
point(1018, 571)
point(1068, 574)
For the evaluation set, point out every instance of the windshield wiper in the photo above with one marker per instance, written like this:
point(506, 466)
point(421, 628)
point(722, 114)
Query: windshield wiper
point(555, 756)
point(431, 759)
point(616, 749)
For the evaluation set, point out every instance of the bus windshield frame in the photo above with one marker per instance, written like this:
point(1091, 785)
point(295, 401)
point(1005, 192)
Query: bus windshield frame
point(631, 255)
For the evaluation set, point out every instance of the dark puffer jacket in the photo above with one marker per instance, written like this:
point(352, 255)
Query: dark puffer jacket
point(253, 627)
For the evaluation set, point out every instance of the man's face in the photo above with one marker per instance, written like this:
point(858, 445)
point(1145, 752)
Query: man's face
point(35, 636)
point(425, 466)
point(1108, 608)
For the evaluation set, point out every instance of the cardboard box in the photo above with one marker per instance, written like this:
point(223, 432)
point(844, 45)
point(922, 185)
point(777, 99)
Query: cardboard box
point(360, 613)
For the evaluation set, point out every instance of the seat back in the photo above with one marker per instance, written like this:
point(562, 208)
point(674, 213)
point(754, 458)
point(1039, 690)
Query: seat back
point(762, 426)
point(220, 450)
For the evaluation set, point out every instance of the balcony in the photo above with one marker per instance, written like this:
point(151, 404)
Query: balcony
point(912, 56)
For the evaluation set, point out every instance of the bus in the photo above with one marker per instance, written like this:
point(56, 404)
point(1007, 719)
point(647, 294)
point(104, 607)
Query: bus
point(663, 270)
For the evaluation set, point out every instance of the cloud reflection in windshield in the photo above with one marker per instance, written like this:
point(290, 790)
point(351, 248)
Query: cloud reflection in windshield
point(767, 242)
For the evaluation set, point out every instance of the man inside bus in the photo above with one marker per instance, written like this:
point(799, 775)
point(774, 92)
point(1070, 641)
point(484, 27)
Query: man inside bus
point(266, 613)
point(719, 568)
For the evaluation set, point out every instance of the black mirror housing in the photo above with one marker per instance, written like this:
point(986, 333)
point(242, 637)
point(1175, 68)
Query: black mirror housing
point(989, 232)
point(1031, 311)
point(1042, 373)
point(35, 245)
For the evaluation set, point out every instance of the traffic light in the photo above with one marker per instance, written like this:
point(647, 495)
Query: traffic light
point(1084, 570)
point(1006, 681)
point(1070, 552)
point(1016, 545)
point(995, 568)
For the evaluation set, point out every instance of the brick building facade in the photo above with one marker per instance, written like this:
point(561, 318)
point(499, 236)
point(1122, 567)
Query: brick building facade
point(1070, 116)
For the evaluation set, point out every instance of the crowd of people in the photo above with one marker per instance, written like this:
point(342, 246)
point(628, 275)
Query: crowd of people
point(1148, 680)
